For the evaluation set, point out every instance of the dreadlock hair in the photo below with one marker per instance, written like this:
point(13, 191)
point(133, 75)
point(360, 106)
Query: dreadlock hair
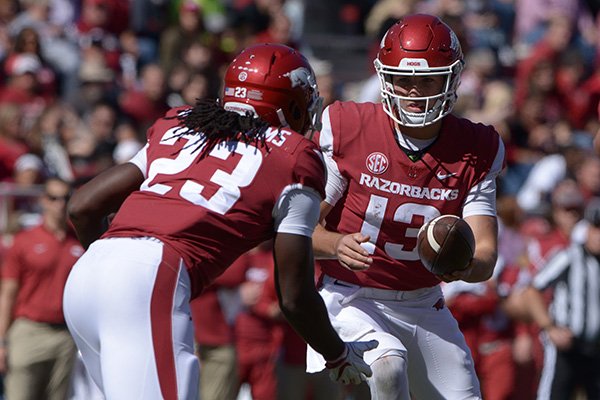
point(217, 125)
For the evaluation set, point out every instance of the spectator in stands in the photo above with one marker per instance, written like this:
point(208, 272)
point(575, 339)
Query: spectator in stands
point(11, 144)
point(45, 142)
point(587, 175)
point(534, 19)
point(27, 41)
point(97, 84)
point(94, 30)
point(100, 123)
point(279, 30)
point(537, 71)
point(148, 103)
point(328, 85)
point(22, 87)
point(56, 48)
point(187, 29)
point(36, 349)
point(565, 210)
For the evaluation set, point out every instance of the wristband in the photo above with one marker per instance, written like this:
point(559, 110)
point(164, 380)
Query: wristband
point(335, 362)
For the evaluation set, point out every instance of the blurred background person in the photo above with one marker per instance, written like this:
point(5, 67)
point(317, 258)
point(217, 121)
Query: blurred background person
point(36, 349)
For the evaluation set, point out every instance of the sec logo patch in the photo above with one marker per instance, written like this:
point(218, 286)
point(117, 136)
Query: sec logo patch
point(377, 163)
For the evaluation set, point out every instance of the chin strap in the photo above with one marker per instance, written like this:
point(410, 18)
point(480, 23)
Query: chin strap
point(281, 118)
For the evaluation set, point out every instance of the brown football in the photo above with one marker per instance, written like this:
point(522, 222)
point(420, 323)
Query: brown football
point(446, 244)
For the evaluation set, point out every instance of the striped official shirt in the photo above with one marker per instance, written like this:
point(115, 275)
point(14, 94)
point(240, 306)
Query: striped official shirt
point(574, 274)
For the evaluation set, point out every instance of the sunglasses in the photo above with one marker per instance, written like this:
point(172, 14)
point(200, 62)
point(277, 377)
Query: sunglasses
point(56, 198)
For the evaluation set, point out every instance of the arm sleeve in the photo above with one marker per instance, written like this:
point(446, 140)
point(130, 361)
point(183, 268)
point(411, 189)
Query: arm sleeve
point(336, 183)
point(297, 210)
point(481, 199)
point(140, 160)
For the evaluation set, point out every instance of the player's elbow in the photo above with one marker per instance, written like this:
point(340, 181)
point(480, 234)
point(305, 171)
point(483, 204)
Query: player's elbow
point(290, 305)
point(80, 207)
point(75, 209)
point(297, 304)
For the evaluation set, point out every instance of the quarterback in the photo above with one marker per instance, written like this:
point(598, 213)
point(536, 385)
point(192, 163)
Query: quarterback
point(392, 167)
point(213, 181)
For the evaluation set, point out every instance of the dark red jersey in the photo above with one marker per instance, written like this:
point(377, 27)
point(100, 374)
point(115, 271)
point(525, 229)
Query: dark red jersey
point(389, 197)
point(213, 208)
point(40, 262)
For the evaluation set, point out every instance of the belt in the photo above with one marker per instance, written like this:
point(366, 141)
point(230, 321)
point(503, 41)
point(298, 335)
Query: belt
point(380, 294)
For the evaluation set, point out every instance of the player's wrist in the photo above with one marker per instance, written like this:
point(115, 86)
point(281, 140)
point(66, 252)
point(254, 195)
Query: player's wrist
point(332, 363)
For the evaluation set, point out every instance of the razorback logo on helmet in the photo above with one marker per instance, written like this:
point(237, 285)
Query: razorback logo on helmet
point(302, 77)
point(454, 43)
point(381, 44)
point(415, 63)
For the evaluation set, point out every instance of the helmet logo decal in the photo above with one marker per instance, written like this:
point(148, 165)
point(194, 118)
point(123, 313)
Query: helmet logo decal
point(301, 77)
point(377, 163)
point(243, 76)
point(454, 43)
point(254, 94)
point(381, 44)
point(413, 63)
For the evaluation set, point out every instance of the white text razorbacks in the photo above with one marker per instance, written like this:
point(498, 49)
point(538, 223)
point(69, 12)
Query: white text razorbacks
point(402, 189)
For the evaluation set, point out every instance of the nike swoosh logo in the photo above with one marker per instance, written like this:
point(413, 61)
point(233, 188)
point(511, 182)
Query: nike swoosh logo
point(442, 176)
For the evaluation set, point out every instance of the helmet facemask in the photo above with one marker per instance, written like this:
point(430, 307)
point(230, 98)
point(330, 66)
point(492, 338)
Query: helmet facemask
point(315, 112)
point(436, 106)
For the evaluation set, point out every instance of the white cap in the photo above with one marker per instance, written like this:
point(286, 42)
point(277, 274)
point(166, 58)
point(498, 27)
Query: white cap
point(24, 63)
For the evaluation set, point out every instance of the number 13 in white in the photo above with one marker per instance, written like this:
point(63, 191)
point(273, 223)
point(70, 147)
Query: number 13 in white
point(404, 213)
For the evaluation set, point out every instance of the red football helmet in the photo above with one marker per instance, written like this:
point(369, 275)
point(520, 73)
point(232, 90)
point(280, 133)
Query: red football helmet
point(419, 44)
point(274, 82)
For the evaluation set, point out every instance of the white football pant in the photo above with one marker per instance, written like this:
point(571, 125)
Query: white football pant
point(421, 351)
point(126, 303)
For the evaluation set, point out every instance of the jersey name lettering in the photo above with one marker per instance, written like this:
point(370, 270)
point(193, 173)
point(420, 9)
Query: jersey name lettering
point(276, 137)
point(411, 191)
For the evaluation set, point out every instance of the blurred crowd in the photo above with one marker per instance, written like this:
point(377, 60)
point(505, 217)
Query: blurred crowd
point(82, 80)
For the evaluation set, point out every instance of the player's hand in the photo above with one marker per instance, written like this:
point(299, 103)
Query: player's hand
point(350, 366)
point(351, 254)
point(460, 275)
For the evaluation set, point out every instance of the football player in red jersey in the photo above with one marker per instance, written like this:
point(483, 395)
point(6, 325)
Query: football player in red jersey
point(392, 167)
point(212, 182)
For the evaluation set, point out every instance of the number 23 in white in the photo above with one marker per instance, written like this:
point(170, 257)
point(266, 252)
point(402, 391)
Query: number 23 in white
point(229, 183)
